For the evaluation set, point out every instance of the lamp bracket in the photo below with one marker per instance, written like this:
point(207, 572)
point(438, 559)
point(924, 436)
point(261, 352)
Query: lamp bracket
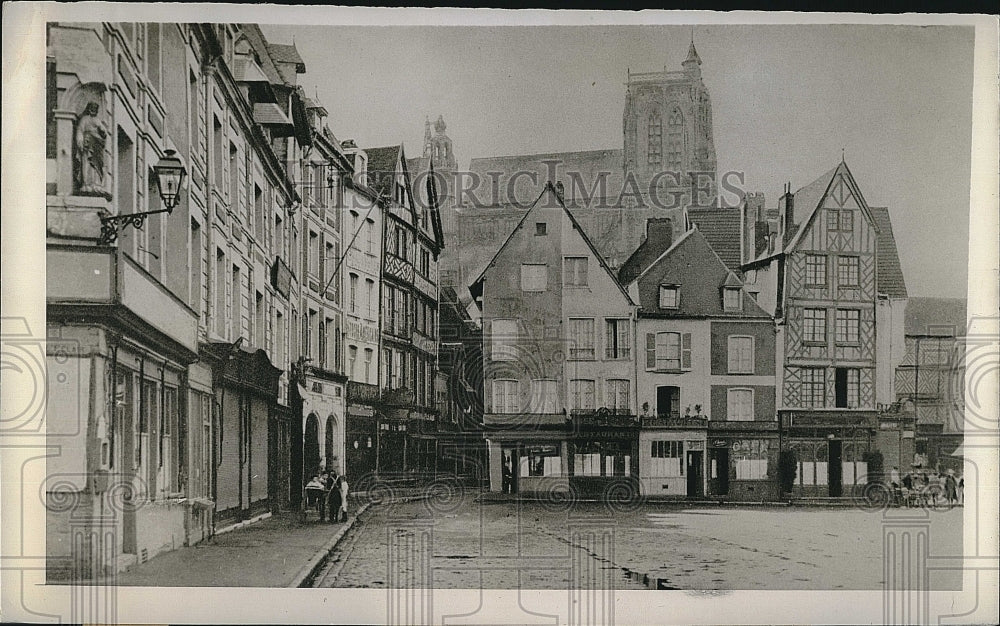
point(113, 224)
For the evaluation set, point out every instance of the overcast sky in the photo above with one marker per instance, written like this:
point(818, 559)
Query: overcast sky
point(786, 100)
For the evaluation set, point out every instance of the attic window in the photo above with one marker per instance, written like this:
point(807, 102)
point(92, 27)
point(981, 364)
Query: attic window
point(732, 299)
point(670, 296)
point(541, 229)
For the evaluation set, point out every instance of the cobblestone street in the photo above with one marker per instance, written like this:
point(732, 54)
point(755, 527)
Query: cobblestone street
point(658, 546)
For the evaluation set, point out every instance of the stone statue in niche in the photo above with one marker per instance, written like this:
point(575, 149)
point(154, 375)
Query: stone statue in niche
point(89, 142)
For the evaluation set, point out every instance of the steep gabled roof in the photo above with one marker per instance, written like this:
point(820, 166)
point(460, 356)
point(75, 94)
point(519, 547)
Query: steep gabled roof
point(721, 227)
point(256, 38)
point(889, 272)
point(382, 168)
point(700, 275)
point(810, 197)
point(549, 189)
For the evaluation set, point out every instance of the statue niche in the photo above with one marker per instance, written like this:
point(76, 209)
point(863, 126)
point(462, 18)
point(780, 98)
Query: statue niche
point(89, 142)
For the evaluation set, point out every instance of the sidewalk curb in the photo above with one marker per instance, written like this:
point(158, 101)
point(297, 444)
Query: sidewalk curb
point(313, 565)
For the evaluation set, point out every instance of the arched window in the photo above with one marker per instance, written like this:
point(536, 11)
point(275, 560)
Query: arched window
point(654, 151)
point(675, 137)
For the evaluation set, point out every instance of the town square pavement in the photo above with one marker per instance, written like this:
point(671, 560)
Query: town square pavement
point(665, 546)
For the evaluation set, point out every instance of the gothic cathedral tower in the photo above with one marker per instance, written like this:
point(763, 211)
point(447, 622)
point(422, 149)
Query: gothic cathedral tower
point(667, 125)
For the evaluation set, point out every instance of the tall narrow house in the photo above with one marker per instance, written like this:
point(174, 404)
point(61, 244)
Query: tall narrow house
point(412, 243)
point(558, 364)
point(826, 266)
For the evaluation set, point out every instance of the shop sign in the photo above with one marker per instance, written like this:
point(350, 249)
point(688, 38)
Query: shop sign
point(281, 277)
point(719, 443)
point(541, 450)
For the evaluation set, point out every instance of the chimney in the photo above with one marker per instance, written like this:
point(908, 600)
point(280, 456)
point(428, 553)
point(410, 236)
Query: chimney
point(786, 209)
point(660, 233)
point(756, 236)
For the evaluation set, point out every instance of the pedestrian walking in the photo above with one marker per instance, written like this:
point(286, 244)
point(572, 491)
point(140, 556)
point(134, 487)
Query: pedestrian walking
point(335, 501)
point(961, 490)
point(343, 495)
point(507, 478)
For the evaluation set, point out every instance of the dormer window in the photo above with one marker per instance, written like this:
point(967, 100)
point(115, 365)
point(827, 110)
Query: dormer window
point(732, 299)
point(670, 296)
point(400, 194)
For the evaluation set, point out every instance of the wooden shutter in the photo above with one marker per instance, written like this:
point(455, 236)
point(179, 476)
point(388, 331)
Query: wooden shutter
point(650, 351)
point(733, 350)
point(582, 271)
point(686, 351)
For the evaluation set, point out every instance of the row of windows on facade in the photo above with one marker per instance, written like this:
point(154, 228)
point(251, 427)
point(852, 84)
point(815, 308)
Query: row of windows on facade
point(405, 311)
point(847, 270)
point(407, 370)
point(665, 351)
point(506, 396)
point(401, 242)
point(165, 445)
point(580, 339)
point(535, 276)
point(144, 41)
point(846, 326)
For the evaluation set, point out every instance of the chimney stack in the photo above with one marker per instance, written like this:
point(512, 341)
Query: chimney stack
point(660, 233)
point(786, 209)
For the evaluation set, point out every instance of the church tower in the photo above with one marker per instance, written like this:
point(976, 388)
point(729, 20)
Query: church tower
point(667, 127)
point(437, 147)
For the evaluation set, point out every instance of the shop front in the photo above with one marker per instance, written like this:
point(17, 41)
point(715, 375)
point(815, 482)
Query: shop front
point(672, 457)
point(831, 450)
point(246, 394)
point(743, 461)
point(362, 430)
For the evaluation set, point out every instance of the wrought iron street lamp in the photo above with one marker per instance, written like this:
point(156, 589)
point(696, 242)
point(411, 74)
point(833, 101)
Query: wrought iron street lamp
point(170, 175)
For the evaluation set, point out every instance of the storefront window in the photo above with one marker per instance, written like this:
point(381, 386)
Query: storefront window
point(602, 458)
point(667, 459)
point(751, 459)
point(541, 461)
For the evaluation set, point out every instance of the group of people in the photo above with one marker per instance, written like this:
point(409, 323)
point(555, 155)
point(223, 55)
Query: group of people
point(327, 491)
point(922, 487)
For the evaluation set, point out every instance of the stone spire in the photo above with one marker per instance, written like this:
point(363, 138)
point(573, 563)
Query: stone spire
point(692, 60)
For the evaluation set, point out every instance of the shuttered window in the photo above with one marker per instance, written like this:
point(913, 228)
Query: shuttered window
point(668, 351)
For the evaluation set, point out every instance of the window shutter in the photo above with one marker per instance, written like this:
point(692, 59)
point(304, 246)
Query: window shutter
point(686, 351)
point(610, 339)
point(650, 351)
point(582, 268)
point(733, 355)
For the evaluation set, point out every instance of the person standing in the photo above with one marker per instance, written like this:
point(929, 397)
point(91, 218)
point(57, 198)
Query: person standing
point(508, 476)
point(343, 495)
point(951, 487)
point(335, 501)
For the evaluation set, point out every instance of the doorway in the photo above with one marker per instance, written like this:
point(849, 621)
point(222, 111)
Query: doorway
point(836, 468)
point(719, 480)
point(695, 474)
